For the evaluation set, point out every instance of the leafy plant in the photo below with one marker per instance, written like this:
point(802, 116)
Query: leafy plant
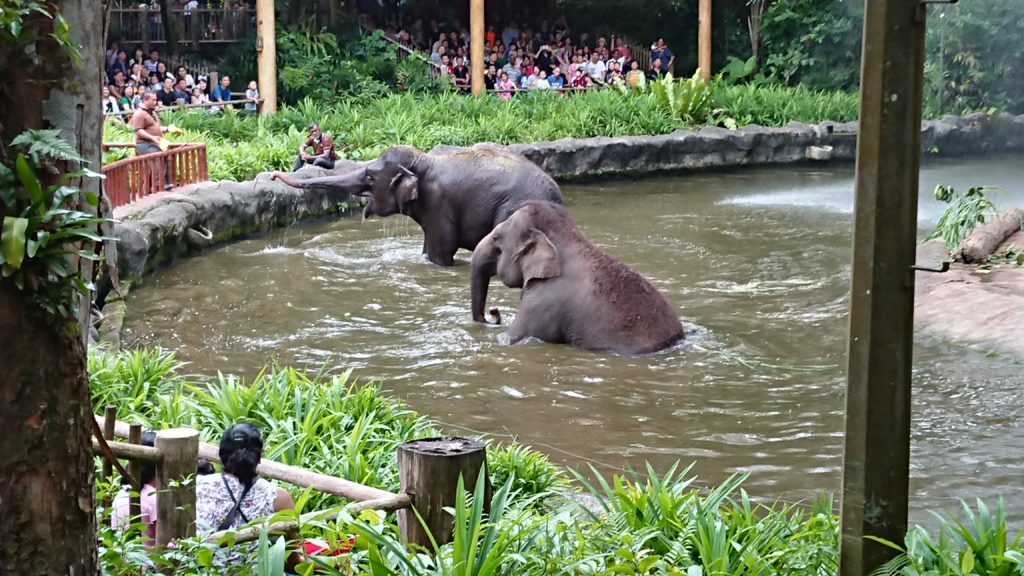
point(978, 544)
point(965, 212)
point(688, 99)
point(42, 230)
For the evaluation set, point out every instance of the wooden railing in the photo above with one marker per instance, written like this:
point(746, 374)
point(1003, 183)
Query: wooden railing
point(199, 26)
point(133, 178)
point(430, 468)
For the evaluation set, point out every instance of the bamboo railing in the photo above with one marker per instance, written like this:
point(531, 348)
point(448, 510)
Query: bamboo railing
point(431, 472)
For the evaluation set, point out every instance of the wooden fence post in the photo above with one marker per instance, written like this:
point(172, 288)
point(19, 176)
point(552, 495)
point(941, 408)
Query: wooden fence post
point(144, 17)
point(176, 503)
point(135, 469)
point(429, 471)
point(109, 420)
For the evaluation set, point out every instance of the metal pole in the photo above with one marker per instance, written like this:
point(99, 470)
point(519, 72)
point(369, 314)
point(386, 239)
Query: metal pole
point(476, 45)
point(877, 452)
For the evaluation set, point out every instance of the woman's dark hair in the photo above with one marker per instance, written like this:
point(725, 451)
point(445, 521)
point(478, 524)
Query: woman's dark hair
point(148, 470)
point(240, 451)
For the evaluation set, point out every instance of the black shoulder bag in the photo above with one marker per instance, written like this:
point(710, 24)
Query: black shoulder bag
point(237, 510)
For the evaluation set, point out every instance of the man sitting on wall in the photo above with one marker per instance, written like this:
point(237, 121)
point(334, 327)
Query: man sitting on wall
point(323, 150)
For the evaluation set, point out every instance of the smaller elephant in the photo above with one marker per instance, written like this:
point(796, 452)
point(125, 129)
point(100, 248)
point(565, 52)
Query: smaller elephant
point(573, 292)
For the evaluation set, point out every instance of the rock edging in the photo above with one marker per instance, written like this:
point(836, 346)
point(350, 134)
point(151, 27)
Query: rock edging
point(754, 145)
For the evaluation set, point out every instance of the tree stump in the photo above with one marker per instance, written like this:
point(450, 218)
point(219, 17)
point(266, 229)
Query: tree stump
point(983, 240)
point(429, 470)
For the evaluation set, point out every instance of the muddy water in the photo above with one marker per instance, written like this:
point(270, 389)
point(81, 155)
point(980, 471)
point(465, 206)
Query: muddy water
point(756, 261)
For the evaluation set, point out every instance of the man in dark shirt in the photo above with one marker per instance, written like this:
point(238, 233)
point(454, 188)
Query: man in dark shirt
point(491, 77)
point(323, 150)
point(166, 94)
point(182, 93)
point(655, 72)
point(461, 74)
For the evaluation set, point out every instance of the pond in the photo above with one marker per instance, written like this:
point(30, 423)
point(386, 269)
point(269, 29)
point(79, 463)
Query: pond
point(756, 261)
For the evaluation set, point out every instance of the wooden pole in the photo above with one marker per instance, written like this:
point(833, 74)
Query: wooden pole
point(429, 472)
point(876, 461)
point(266, 51)
point(476, 52)
point(176, 505)
point(704, 48)
point(144, 15)
point(135, 469)
point(109, 421)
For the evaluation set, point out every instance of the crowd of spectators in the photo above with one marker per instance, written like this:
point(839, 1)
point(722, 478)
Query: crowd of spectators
point(128, 78)
point(542, 57)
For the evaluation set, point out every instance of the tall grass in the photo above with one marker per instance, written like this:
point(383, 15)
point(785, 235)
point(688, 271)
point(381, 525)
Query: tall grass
point(239, 147)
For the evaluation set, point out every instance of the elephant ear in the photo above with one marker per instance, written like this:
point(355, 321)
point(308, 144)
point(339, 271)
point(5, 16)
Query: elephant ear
point(538, 257)
point(405, 186)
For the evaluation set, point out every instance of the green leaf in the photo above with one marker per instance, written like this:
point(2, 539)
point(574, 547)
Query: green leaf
point(29, 180)
point(7, 195)
point(91, 198)
point(13, 241)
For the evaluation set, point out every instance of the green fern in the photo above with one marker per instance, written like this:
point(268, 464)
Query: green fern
point(45, 146)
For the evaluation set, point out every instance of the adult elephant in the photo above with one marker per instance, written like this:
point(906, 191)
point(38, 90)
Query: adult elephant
point(573, 292)
point(457, 198)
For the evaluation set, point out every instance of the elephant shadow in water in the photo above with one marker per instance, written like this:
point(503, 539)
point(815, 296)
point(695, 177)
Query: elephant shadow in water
point(572, 291)
point(457, 198)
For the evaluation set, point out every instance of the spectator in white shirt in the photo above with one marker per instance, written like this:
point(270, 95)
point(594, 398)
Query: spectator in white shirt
point(596, 69)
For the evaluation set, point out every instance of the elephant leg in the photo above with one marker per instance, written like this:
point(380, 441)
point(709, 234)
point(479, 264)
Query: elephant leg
point(535, 319)
point(440, 248)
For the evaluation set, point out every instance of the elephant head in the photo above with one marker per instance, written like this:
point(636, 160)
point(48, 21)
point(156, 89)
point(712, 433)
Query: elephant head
point(392, 182)
point(518, 251)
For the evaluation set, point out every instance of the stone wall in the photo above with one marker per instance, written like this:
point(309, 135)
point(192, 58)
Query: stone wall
point(756, 145)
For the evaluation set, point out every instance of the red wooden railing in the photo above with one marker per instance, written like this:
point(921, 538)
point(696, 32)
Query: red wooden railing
point(133, 178)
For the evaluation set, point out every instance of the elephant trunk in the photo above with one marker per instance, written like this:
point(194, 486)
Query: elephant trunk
point(354, 182)
point(484, 266)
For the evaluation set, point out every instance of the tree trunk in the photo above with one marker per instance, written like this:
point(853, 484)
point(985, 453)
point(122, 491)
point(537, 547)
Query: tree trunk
point(46, 463)
point(983, 240)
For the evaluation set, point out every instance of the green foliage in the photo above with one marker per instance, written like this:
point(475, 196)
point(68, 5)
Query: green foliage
point(528, 471)
point(42, 229)
point(23, 22)
point(318, 64)
point(814, 42)
point(687, 99)
point(975, 57)
point(978, 544)
point(964, 213)
point(777, 105)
